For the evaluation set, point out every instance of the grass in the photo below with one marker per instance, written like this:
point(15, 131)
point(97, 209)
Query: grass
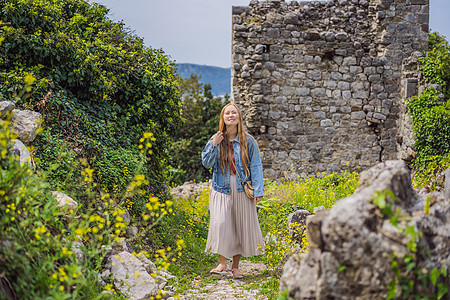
point(190, 222)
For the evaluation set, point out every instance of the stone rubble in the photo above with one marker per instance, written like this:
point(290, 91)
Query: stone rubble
point(189, 189)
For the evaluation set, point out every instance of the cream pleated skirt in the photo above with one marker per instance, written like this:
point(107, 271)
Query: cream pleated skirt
point(234, 226)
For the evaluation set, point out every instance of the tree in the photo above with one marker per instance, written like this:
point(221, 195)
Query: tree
point(201, 112)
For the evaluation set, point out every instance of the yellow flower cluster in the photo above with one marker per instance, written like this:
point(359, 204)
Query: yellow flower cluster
point(138, 181)
point(156, 208)
point(6, 135)
point(146, 140)
point(164, 257)
point(110, 287)
point(87, 173)
point(40, 231)
point(64, 277)
point(196, 211)
point(126, 172)
point(129, 204)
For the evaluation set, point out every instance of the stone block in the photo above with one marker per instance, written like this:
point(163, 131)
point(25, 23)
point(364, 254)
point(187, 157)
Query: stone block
point(237, 10)
point(341, 36)
point(379, 116)
point(291, 18)
point(239, 27)
point(374, 78)
point(26, 124)
point(317, 92)
point(423, 18)
point(358, 115)
point(277, 58)
point(288, 91)
point(336, 76)
point(361, 95)
point(326, 123)
point(314, 75)
point(341, 52)
point(355, 69)
point(320, 115)
point(349, 61)
point(305, 100)
point(302, 91)
point(346, 95)
point(338, 59)
point(343, 85)
point(411, 87)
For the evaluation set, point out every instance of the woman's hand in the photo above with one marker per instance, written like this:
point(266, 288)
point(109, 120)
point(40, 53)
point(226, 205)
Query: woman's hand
point(218, 137)
point(257, 199)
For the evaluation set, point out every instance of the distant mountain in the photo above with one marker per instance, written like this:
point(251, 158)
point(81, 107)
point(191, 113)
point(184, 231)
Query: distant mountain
point(219, 78)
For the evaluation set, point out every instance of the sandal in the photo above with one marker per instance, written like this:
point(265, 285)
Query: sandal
point(236, 273)
point(220, 269)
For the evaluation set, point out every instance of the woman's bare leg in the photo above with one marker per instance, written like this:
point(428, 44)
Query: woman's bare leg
point(221, 267)
point(223, 261)
point(236, 260)
point(235, 267)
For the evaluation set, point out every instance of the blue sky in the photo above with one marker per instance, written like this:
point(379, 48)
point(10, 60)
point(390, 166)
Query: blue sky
point(199, 31)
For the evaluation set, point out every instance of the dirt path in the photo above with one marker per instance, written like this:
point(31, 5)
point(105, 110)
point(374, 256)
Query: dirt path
point(220, 287)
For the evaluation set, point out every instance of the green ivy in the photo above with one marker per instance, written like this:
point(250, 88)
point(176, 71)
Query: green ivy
point(435, 65)
point(430, 111)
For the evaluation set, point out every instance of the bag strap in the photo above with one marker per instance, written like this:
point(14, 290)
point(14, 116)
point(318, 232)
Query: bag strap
point(238, 173)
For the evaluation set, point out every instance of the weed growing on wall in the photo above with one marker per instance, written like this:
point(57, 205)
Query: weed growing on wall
point(431, 114)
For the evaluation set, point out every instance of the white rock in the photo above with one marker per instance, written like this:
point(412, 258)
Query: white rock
point(65, 200)
point(22, 151)
point(26, 123)
point(131, 278)
point(6, 107)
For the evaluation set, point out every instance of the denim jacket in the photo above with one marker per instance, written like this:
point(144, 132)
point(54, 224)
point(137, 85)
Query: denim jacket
point(220, 183)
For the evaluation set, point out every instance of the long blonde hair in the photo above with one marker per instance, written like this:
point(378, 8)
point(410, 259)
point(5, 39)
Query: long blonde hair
point(225, 154)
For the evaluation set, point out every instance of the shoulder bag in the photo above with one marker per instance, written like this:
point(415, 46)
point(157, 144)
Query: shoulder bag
point(248, 187)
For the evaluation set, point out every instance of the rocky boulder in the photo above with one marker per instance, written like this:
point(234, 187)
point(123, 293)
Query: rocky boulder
point(296, 224)
point(65, 202)
point(135, 276)
point(353, 246)
point(22, 152)
point(6, 107)
point(26, 124)
point(189, 189)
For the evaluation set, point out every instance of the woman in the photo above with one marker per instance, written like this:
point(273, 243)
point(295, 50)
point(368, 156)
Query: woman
point(233, 228)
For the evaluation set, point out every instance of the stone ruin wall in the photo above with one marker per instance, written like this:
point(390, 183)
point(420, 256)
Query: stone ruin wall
point(322, 84)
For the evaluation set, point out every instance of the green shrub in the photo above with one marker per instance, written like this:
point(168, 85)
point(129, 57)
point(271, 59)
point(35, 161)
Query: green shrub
point(431, 125)
point(97, 86)
point(115, 168)
point(60, 160)
point(430, 111)
point(38, 241)
point(435, 65)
